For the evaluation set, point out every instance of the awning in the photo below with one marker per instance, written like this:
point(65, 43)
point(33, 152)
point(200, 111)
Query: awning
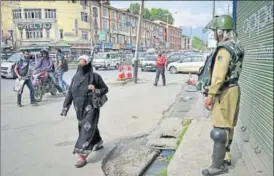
point(61, 43)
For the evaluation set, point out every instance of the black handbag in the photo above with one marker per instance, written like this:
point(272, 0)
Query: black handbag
point(97, 101)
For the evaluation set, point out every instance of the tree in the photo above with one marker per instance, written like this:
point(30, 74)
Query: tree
point(152, 14)
point(197, 43)
point(161, 14)
point(134, 8)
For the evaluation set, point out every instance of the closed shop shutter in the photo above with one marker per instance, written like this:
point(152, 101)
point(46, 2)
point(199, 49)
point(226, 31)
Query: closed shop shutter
point(255, 31)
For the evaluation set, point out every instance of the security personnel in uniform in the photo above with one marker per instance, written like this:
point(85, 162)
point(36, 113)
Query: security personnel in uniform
point(223, 94)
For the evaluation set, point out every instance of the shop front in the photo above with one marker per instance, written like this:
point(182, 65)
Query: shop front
point(254, 132)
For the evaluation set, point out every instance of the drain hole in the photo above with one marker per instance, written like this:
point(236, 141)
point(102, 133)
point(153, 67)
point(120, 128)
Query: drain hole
point(167, 136)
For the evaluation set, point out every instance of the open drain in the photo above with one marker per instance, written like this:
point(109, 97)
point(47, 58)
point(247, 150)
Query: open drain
point(65, 143)
point(160, 164)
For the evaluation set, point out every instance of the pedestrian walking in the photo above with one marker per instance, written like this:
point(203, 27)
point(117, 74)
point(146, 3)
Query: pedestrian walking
point(61, 68)
point(88, 93)
point(23, 73)
point(223, 92)
point(160, 69)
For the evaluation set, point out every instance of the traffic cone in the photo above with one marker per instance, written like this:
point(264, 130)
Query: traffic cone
point(121, 74)
point(191, 80)
point(129, 73)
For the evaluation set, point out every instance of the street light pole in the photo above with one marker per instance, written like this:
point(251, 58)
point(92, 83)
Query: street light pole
point(138, 42)
point(101, 22)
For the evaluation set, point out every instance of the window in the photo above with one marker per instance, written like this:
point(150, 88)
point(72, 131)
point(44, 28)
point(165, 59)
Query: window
point(188, 59)
point(50, 13)
point(16, 14)
point(113, 26)
point(174, 58)
point(84, 35)
point(105, 25)
point(47, 34)
point(197, 59)
point(61, 33)
point(34, 34)
point(113, 15)
point(33, 13)
point(105, 12)
point(84, 2)
point(120, 27)
point(84, 17)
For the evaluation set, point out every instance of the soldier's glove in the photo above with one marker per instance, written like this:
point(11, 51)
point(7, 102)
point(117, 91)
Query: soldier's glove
point(64, 111)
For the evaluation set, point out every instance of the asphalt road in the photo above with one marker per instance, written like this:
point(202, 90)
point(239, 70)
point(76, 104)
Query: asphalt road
point(37, 141)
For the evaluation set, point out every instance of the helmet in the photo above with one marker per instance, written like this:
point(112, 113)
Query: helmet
point(223, 22)
point(44, 51)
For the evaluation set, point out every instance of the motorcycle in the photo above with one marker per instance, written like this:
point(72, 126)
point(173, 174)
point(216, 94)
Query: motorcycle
point(42, 85)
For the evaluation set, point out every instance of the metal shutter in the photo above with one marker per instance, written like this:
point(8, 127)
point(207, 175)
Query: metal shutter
point(255, 31)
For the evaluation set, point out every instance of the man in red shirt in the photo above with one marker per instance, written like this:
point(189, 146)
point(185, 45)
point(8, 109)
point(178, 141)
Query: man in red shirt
point(160, 69)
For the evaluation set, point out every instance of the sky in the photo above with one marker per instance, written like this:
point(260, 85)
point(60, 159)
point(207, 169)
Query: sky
point(190, 14)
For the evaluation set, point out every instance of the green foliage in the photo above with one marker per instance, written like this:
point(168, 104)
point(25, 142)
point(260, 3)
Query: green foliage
point(163, 172)
point(152, 14)
point(185, 124)
point(197, 43)
point(161, 14)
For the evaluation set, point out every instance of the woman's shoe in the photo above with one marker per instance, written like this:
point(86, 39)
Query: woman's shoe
point(81, 163)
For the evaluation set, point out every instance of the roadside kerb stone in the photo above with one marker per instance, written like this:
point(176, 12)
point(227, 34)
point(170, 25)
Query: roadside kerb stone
point(194, 152)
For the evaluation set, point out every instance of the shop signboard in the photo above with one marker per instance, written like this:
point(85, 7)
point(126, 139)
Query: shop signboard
point(34, 26)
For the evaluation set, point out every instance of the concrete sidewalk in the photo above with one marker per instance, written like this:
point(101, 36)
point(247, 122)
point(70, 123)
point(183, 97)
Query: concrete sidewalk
point(194, 153)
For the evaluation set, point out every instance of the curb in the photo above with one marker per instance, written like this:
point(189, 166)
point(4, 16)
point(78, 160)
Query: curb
point(119, 83)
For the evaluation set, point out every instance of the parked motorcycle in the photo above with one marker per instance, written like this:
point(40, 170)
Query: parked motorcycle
point(42, 85)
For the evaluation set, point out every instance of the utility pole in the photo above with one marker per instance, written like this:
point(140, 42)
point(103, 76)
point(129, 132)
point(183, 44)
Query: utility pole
point(91, 28)
point(101, 22)
point(138, 42)
point(228, 9)
point(213, 9)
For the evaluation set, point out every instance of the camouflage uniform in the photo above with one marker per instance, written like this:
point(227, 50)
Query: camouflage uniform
point(223, 88)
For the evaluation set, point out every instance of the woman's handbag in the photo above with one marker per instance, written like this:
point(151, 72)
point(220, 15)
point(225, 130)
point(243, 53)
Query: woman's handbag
point(97, 101)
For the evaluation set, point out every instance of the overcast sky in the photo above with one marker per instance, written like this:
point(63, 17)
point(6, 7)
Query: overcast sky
point(189, 13)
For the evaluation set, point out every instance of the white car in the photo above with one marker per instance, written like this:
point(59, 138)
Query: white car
point(188, 64)
point(106, 60)
point(7, 67)
point(149, 63)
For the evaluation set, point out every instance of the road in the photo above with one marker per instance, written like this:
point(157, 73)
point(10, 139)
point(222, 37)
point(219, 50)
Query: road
point(37, 141)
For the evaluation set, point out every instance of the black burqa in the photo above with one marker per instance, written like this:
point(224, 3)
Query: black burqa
point(87, 116)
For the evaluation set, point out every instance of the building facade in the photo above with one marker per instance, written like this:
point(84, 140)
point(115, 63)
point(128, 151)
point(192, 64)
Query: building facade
point(83, 24)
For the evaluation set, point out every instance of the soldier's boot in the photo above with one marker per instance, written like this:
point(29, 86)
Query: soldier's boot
point(217, 167)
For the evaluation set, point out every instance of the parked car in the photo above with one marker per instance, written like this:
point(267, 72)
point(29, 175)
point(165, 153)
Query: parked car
point(106, 60)
point(7, 67)
point(189, 64)
point(174, 58)
point(149, 63)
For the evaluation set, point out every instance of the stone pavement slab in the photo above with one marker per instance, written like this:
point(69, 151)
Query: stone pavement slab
point(194, 153)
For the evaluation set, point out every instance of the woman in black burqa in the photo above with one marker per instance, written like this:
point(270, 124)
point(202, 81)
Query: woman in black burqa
point(83, 84)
